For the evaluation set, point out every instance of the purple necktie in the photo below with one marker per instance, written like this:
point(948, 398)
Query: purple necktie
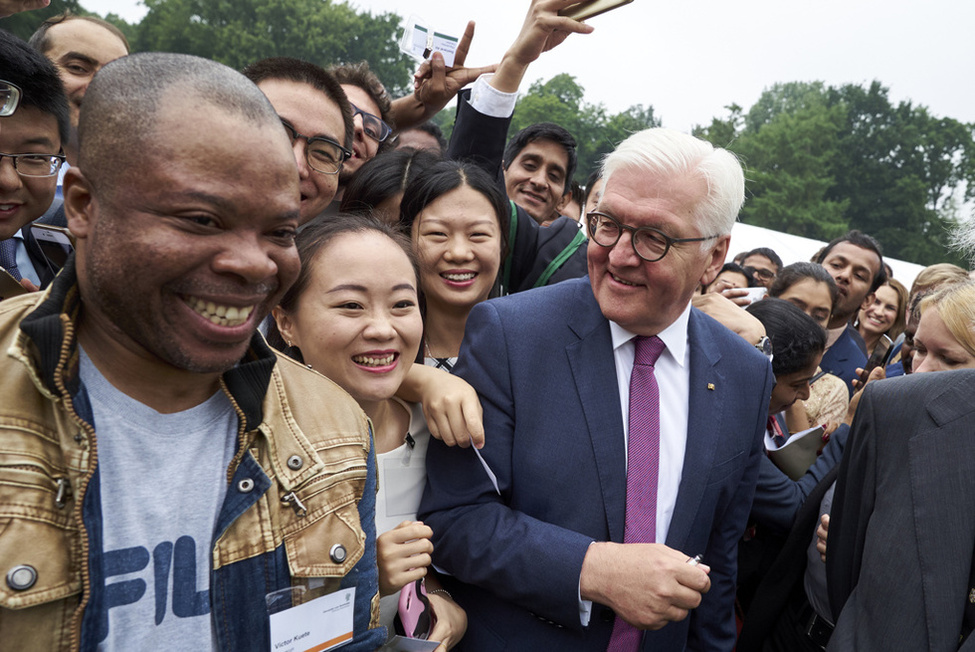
point(8, 257)
point(643, 456)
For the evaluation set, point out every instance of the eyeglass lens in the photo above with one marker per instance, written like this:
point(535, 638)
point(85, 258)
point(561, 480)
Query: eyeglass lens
point(372, 125)
point(322, 155)
point(647, 243)
point(9, 98)
point(34, 165)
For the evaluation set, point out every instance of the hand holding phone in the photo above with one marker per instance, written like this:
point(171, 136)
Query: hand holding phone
point(414, 610)
point(879, 358)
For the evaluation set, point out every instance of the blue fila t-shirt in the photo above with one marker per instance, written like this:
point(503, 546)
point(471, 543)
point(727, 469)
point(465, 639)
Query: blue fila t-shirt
point(163, 481)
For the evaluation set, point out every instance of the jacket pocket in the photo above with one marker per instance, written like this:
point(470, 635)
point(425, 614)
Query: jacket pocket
point(328, 540)
point(39, 540)
point(35, 559)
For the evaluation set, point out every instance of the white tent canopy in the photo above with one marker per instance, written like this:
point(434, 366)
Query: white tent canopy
point(793, 248)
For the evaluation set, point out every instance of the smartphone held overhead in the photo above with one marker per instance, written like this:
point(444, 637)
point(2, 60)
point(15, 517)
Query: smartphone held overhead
point(590, 8)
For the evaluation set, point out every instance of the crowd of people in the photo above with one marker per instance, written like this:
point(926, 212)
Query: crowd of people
point(271, 342)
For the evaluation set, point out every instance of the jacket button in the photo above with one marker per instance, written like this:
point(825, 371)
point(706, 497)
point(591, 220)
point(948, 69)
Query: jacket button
point(337, 553)
point(245, 486)
point(295, 462)
point(607, 615)
point(21, 578)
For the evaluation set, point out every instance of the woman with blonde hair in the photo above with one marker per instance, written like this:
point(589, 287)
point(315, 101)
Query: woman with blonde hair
point(945, 337)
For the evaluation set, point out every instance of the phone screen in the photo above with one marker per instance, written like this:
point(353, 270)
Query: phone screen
point(878, 358)
point(55, 244)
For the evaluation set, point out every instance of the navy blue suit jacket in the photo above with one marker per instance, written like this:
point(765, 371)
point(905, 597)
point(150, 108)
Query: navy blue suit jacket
point(542, 363)
point(843, 358)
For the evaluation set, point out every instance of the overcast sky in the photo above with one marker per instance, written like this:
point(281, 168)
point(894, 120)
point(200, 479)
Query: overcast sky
point(690, 59)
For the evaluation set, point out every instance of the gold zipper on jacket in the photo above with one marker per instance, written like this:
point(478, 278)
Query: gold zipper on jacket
point(77, 616)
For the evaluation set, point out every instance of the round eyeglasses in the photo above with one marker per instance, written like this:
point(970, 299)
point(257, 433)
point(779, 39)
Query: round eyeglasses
point(649, 243)
point(372, 125)
point(322, 154)
point(35, 165)
point(764, 274)
point(9, 98)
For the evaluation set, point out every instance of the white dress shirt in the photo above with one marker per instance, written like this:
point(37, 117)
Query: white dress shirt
point(673, 374)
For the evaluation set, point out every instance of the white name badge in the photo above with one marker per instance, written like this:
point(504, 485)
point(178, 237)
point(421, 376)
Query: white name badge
point(321, 624)
point(420, 41)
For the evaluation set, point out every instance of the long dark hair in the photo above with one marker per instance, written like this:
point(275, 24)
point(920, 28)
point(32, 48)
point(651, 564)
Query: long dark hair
point(792, 274)
point(439, 179)
point(384, 177)
point(796, 337)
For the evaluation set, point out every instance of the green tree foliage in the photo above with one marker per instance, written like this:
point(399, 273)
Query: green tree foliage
point(821, 160)
point(239, 32)
point(561, 100)
point(903, 171)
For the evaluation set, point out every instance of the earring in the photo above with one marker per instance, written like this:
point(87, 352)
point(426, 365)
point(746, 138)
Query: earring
point(288, 342)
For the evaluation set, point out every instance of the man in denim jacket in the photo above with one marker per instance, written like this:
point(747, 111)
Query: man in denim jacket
point(252, 475)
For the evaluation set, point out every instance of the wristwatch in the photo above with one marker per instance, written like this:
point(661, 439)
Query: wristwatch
point(764, 346)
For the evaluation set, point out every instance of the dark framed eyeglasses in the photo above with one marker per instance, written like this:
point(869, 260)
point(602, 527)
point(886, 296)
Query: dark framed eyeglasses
point(649, 243)
point(35, 165)
point(764, 274)
point(322, 154)
point(372, 125)
point(9, 98)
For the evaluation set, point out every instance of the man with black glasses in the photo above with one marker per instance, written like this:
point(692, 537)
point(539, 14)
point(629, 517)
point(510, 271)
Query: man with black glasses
point(623, 430)
point(371, 107)
point(318, 118)
point(33, 126)
point(764, 264)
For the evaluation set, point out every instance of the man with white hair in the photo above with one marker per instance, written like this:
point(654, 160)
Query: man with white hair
point(624, 429)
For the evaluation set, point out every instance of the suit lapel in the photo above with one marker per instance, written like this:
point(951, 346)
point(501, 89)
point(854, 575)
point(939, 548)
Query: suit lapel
point(594, 372)
point(704, 412)
point(941, 480)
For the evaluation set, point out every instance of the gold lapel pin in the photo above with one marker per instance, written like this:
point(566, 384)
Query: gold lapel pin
point(711, 386)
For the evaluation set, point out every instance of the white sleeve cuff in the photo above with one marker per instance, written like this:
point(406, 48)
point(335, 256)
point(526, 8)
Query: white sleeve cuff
point(585, 611)
point(491, 102)
point(585, 606)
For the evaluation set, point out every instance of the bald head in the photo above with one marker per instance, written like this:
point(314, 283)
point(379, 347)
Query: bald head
point(186, 199)
point(119, 120)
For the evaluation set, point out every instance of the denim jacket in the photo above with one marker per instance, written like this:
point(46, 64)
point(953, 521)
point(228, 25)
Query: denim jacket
point(301, 483)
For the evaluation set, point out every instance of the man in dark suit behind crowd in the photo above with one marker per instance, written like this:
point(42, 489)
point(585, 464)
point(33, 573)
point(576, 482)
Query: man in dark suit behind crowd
point(900, 565)
point(856, 264)
point(623, 426)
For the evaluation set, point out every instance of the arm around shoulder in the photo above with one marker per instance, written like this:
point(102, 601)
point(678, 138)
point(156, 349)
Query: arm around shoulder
point(528, 561)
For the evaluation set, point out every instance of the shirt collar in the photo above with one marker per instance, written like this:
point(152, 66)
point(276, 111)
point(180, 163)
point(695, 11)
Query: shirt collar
point(674, 336)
